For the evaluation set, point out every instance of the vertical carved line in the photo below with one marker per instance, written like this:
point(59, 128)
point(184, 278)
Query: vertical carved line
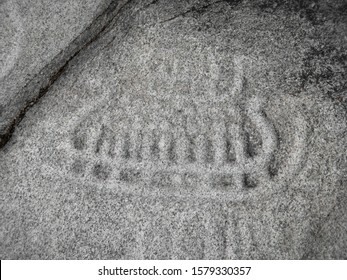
point(190, 240)
point(182, 147)
point(240, 155)
point(147, 144)
point(164, 146)
point(216, 231)
point(240, 238)
point(232, 238)
point(201, 149)
point(116, 147)
point(238, 77)
point(101, 142)
point(126, 146)
point(135, 143)
point(219, 141)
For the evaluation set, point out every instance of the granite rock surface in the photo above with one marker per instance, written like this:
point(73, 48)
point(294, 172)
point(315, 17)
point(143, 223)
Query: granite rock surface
point(188, 130)
point(38, 38)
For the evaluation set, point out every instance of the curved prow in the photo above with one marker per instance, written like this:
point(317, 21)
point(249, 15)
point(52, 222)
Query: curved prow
point(268, 134)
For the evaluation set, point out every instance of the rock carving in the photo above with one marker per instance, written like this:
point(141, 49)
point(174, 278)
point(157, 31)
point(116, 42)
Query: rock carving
point(134, 151)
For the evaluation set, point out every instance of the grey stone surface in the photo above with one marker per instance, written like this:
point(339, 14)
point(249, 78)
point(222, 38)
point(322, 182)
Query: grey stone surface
point(190, 130)
point(38, 38)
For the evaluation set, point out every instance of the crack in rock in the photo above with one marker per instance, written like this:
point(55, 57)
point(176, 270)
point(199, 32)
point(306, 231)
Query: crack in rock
point(39, 85)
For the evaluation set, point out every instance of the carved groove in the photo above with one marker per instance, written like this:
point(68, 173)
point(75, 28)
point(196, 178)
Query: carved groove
point(146, 150)
point(200, 151)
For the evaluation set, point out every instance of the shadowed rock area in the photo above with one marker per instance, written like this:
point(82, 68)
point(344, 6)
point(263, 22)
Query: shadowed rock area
point(184, 130)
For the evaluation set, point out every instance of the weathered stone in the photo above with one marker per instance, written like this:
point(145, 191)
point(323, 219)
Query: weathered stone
point(195, 129)
point(38, 38)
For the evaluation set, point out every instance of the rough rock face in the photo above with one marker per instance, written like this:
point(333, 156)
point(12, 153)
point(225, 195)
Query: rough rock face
point(188, 130)
point(38, 38)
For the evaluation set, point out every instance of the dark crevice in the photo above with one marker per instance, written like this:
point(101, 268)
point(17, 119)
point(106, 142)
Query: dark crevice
point(126, 147)
point(100, 140)
point(172, 156)
point(249, 146)
point(101, 172)
point(233, 3)
point(249, 181)
point(149, 4)
point(194, 9)
point(81, 42)
point(230, 151)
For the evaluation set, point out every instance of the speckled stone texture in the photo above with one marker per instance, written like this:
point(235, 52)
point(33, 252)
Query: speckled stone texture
point(188, 130)
point(38, 37)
